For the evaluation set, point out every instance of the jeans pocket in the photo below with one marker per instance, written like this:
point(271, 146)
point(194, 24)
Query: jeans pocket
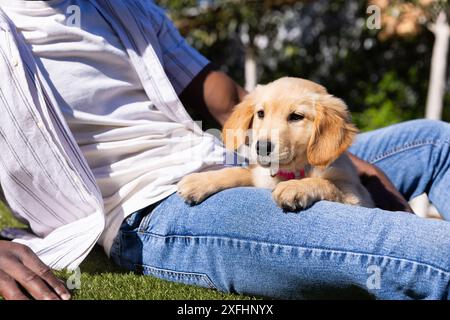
point(189, 278)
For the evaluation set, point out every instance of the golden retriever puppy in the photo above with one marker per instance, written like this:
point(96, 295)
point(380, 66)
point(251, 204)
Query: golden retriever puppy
point(298, 137)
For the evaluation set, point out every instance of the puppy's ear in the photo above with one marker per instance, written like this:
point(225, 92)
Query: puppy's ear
point(333, 131)
point(235, 129)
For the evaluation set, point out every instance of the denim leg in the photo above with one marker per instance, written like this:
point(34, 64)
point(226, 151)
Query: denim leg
point(415, 155)
point(238, 240)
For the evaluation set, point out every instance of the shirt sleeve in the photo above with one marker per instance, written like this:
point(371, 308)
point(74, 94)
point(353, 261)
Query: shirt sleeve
point(180, 60)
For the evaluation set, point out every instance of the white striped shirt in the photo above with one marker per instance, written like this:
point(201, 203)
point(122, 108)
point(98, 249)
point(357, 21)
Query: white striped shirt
point(45, 178)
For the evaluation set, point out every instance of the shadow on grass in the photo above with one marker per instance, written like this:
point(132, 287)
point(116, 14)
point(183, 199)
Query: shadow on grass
point(97, 263)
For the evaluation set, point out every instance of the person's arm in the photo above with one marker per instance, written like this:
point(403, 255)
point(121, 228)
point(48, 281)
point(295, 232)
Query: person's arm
point(213, 92)
point(21, 268)
point(383, 192)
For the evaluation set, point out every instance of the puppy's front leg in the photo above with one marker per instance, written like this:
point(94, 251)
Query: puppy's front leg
point(293, 195)
point(196, 187)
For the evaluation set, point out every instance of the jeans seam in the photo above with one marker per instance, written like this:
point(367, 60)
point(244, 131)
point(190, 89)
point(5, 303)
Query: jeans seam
point(406, 147)
point(439, 269)
point(176, 274)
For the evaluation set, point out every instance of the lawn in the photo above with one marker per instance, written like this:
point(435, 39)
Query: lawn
point(100, 279)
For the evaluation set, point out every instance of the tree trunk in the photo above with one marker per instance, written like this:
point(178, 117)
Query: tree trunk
point(436, 87)
point(251, 75)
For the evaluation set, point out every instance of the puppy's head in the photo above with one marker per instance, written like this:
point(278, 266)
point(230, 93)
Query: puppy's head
point(293, 122)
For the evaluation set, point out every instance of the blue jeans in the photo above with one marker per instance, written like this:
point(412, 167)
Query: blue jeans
point(238, 240)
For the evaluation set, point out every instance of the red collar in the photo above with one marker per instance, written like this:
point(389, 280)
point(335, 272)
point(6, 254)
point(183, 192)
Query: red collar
point(289, 175)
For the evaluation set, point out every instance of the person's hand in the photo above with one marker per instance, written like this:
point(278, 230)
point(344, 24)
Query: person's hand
point(383, 192)
point(21, 268)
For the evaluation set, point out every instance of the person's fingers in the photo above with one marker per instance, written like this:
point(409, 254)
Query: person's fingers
point(32, 262)
point(56, 284)
point(29, 280)
point(9, 288)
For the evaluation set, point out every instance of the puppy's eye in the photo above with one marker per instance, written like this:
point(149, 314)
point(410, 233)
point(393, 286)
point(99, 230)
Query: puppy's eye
point(260, 114)
point(296, 117)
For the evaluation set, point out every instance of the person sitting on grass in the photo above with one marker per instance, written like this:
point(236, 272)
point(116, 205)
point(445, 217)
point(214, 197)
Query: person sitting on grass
point(94, 120)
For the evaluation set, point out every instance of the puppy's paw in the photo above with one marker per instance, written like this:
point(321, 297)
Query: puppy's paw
point(292, 195)
point(195, 188)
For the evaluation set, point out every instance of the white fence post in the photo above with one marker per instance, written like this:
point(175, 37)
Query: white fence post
point(436, 87)
point(436, 90)
point(251, 76)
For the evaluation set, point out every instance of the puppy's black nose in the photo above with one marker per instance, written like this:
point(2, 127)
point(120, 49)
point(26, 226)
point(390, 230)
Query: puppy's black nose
point(264, 147)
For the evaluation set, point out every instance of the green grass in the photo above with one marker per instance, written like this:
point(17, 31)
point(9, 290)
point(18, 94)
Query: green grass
point(101, 279)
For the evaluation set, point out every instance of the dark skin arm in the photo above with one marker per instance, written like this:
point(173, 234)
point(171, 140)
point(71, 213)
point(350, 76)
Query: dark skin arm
point(21, 271)
point(214, 94)
point(24, 276)
point(383, 192)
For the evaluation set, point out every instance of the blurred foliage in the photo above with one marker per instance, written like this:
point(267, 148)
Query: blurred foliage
point(382, 81)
